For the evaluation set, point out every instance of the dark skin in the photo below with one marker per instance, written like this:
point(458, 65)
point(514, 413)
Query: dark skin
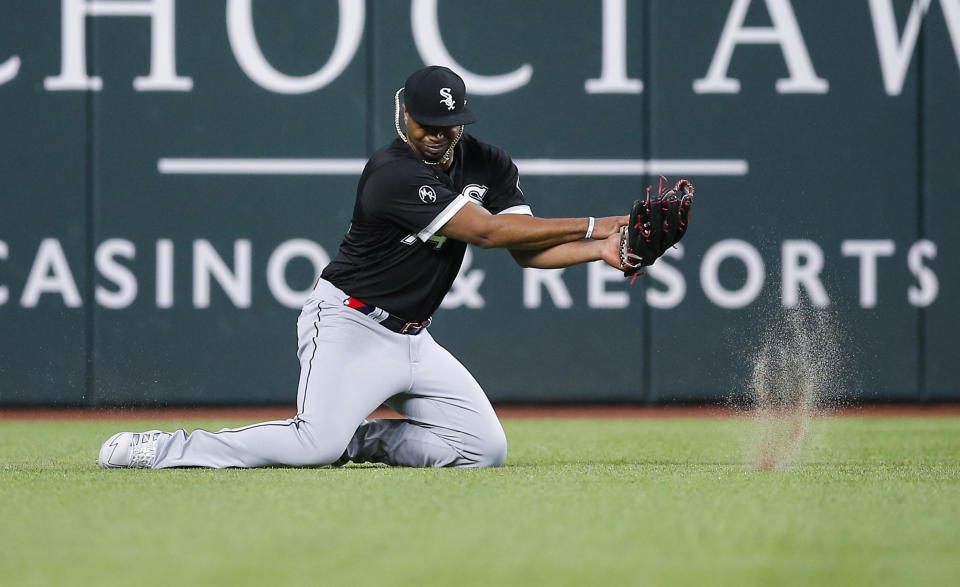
point(430, 142)
point(534, 242)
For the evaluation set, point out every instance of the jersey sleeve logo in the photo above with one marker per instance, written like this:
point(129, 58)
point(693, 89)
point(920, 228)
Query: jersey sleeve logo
point(475, 192)
point(427, 195)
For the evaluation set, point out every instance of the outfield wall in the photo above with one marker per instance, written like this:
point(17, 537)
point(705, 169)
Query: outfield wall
point(176, 173)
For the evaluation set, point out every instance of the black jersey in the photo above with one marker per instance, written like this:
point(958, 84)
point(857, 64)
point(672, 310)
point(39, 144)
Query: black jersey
point(391, 256)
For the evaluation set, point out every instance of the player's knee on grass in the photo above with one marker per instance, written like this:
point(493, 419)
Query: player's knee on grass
point(326, 454)
point(491, 449)
point(321, 447)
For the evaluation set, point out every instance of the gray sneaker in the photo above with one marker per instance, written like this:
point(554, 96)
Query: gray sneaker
point(131, 450)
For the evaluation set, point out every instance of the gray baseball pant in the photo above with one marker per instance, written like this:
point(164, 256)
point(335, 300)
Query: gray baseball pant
point(349, 366)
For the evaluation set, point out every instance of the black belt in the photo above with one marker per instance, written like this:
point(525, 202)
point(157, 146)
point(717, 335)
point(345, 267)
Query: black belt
point(390, 322)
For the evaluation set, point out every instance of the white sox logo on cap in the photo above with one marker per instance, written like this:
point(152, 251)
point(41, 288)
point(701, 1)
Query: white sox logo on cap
point(427, 195)
point(447, 98)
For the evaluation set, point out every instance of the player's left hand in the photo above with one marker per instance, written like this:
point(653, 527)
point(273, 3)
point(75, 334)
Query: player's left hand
point(656, 224)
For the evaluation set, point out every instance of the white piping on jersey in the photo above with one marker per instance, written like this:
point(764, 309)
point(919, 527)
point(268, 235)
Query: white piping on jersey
point(521, 209)
point(442, 218)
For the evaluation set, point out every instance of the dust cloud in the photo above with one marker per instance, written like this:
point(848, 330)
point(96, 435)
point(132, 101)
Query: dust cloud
point(798, 372)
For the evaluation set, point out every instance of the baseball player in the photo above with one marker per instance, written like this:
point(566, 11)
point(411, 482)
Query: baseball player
point(364, 336)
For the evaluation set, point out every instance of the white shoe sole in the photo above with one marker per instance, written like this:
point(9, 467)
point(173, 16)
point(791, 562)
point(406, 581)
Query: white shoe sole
point(109, 448)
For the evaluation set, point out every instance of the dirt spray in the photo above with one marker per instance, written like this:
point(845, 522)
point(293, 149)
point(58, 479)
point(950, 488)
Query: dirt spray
point(798, 371)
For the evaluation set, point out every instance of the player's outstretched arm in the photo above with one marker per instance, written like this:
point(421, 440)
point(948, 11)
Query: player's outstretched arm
point(475, 225)
point(567, 254)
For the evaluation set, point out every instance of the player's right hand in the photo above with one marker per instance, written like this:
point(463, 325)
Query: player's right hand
point(610, 251)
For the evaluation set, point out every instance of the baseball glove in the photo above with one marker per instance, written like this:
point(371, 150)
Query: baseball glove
point(656, 224)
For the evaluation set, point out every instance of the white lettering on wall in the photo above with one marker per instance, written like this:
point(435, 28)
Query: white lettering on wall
point(122, 277)
point(613, 71)
point(895, 51)
point(802, 263)
point(426, 36)
point(784, 32)
point(243, 42)
point(277, 269)
point(4, 292)
point(465, 290)
point(665, 287)
point(868, 251)
point(50, 273)
point(552, 280)
point(671, 277)
point(710, 273)
point(164, 273)
point(9, 69)
point(951, 14)
point(599, 274)
point(235, 283)
point(73, 45)
point(923, 294)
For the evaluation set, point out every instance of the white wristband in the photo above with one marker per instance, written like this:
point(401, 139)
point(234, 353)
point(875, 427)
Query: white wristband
point(590, 227)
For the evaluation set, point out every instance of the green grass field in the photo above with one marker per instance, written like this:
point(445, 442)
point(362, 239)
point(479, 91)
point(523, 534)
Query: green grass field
point(580, 502)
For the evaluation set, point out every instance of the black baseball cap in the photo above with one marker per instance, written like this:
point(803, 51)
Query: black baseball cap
point(436, 96)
